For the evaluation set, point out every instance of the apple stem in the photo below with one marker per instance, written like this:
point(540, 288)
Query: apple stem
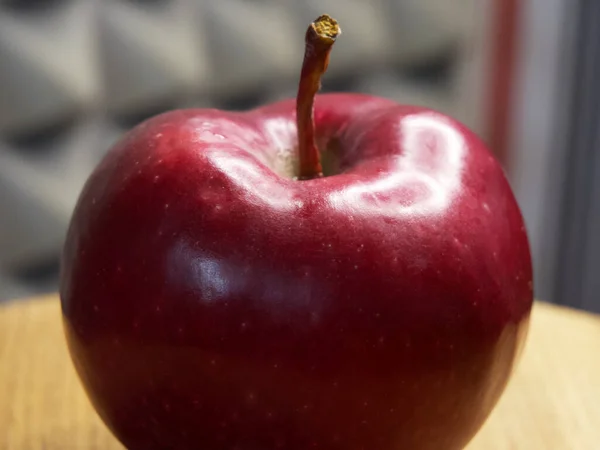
point(320, 37)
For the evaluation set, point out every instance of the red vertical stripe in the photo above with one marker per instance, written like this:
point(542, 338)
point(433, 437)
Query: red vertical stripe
point(503, 62)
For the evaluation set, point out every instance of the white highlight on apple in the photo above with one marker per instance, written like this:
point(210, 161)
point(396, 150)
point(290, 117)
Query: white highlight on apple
point(428, 169)
point(282, 134)
point(252, 182)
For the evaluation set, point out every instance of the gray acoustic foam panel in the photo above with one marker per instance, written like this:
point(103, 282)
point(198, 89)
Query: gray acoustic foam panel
point(76, 74)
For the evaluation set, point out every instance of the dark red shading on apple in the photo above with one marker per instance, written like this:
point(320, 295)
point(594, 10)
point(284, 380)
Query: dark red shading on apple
point(213, 301)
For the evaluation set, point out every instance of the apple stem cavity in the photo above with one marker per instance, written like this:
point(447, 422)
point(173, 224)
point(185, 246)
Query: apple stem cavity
point(320, 37)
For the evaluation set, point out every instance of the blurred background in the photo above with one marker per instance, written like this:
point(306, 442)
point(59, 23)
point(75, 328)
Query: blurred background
point(76, 74)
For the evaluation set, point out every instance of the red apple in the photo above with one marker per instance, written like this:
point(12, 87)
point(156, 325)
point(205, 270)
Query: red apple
point(219, 293)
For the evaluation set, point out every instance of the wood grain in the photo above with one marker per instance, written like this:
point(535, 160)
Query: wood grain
point(552, 402)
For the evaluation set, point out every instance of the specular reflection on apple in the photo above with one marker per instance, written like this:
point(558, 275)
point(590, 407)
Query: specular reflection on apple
point(427, 174)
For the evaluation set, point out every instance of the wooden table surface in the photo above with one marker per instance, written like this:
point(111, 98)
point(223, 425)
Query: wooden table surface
point(552, 402)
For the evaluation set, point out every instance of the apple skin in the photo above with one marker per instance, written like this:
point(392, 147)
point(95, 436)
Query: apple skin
point(211, 302)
